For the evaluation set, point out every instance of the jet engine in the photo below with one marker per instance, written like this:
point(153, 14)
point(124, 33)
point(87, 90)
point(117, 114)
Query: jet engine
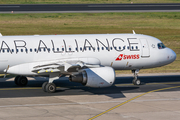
point(95, 77)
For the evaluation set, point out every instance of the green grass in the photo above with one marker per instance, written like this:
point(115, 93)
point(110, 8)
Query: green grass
point(83, 1)
point(165, 26)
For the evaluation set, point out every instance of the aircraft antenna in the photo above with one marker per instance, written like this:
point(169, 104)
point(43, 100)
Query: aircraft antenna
point(0, 34)
point(133, 32)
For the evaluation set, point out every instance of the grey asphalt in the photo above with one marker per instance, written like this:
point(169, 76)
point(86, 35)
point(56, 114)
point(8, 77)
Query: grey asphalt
point(123, 84)
point(28, 8)
point(73, 101)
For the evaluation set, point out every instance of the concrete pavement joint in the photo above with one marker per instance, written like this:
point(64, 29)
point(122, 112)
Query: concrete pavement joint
point(84, 103)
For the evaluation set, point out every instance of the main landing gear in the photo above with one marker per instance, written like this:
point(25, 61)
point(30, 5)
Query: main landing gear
point(21, 80)
point(50, 87)
point(136, 81)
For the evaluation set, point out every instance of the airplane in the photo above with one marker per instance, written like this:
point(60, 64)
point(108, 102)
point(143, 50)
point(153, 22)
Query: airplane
point(90, 59)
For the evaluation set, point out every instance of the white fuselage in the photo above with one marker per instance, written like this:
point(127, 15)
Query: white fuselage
point(121, 51)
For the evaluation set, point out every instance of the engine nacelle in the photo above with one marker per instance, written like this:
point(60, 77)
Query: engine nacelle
point(95, 77)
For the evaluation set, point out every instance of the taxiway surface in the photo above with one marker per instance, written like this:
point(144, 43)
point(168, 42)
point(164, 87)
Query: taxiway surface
point(61, 8)
point(73, 101)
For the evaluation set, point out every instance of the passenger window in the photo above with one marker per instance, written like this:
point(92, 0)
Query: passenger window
point(44, 49)
point(69, 49)
point(57, 49)
point(17, 50)
point(62, 49)
point(12, 50)
point(119, 48)
point(3, 50)
point(136, 47)
point(127, 47)
point(21, 50)
point(111, 48)
point(81, 48)
point(26, 50)
point(102, 48)
point(35, 50)
point(7, 50)
point(30, 50)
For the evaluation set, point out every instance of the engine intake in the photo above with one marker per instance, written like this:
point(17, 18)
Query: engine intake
point(79, 77)
point(95, 77)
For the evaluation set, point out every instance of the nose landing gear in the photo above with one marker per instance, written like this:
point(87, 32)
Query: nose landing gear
point(136, 81)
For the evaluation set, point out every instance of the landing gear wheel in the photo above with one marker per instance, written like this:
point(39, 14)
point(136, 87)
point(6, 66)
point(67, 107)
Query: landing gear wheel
point(16, 80)
point(136, 82)
point(50, 88)
point(44, 86)
point(22, 81)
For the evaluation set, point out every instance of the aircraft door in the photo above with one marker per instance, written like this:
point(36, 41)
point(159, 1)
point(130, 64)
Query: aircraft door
point(144, 48)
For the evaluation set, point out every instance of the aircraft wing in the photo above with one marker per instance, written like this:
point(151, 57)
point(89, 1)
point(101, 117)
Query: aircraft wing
point(64, 67)
point(67, 66)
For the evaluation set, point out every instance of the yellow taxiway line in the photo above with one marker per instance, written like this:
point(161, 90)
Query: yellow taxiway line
point(25, 88)
point(131, 100)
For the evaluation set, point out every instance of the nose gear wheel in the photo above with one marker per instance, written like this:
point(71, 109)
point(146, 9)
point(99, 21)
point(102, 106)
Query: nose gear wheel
point(136, 81)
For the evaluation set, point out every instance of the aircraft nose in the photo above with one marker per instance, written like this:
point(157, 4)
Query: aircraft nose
point(172, 55)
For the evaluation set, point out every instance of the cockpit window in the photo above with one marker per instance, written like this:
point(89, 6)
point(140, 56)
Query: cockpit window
point(161, 46)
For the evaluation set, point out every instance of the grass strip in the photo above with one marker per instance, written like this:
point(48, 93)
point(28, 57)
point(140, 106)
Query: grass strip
point(165, 26)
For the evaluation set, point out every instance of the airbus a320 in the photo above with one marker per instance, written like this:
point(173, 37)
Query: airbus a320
point(90, 59)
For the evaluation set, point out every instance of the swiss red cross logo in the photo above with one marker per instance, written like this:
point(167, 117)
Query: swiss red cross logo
point(124, 57)
point(119, 57)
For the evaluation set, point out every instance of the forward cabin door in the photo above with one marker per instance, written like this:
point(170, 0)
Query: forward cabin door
point(145, 52)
